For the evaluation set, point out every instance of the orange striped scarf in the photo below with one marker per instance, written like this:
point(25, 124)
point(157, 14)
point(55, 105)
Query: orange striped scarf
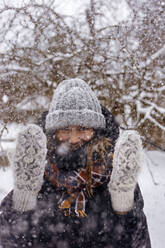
point(78, 184)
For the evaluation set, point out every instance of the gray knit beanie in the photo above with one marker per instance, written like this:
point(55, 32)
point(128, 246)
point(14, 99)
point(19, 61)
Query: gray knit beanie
point(74, 103)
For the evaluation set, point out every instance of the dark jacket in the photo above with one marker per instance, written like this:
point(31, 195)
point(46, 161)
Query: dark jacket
point(47, 227)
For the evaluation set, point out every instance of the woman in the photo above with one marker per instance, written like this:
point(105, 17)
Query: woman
point(76, 186)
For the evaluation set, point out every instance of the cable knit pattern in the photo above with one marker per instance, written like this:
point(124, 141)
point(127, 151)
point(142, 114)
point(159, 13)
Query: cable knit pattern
point(28, 167)
point(74, 103)
point(126, 166)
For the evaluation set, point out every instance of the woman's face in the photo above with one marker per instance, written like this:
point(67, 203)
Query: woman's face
point(74, 135)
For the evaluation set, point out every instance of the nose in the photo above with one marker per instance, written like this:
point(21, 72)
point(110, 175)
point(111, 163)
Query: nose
point(74, 138)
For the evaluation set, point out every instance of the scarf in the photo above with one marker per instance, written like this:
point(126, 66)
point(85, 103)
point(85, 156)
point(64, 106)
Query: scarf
point(77, 185)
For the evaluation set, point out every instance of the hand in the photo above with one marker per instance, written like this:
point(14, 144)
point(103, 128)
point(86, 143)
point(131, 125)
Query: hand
point(126, 166)
point(28, 167)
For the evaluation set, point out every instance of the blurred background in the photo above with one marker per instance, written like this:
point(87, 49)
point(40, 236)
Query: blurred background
point(116, 46)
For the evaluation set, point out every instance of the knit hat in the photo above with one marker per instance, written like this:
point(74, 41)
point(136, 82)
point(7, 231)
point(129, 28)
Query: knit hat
point(74, 103)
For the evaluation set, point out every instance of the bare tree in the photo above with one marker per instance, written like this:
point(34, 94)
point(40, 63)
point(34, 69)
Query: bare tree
point(122, 60)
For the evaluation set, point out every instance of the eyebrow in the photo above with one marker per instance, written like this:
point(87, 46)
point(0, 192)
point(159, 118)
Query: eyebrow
point(77, 128)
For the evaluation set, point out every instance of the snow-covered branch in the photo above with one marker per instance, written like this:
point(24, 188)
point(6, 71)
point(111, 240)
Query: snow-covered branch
point(55, 58)
point(147, 114)
point(153, 57)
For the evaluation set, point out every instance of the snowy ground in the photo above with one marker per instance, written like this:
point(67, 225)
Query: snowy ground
point(152, 184)
point(153, 189)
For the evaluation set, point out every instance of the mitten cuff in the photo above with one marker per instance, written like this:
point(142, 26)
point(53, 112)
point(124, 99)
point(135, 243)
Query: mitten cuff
point(24, 200)
point(122, 201)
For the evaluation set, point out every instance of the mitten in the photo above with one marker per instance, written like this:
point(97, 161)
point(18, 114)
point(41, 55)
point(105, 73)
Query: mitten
point(28, 167)
point(127, 162)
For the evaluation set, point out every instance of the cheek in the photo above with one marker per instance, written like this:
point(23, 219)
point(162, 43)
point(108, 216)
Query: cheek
point(87, 136)
point(62, 136)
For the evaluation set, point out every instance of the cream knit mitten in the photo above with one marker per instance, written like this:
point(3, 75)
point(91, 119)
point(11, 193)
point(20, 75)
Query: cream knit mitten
point(126, 166)
point(28, 167)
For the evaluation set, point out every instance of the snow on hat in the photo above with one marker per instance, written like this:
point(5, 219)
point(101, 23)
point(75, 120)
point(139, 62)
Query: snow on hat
point(74, 103)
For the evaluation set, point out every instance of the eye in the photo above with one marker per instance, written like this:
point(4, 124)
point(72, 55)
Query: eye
point(66, 129)
point(82, 129)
